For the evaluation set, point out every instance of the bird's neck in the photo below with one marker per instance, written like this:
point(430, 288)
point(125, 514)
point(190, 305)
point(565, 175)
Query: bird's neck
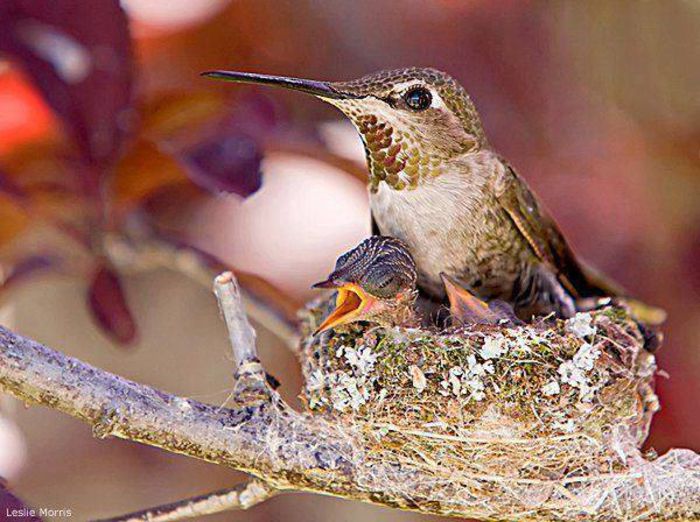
point(443, 218)
point(400, 313)
point(403, 167)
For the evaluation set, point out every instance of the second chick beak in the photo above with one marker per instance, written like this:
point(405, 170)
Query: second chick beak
point(464, 306)
point(350, 303)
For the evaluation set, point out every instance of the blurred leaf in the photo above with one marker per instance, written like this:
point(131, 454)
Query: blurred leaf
point(57, 205)
point(13, 508)
point(13, 219)
point(227, 163)
point(175, 112)
point(143, 171)
point(79, 55)
point(43, 175)
point(38, 162)
point(172, 207)
point(227, 158)
point(258, 114)
point(10, 188)
point(109, 307)
point(25, 114)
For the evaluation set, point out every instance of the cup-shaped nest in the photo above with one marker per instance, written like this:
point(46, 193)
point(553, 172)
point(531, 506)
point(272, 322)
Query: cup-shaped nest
point(511, 422)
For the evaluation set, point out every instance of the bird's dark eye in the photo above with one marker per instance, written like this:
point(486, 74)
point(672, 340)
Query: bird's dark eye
point(418, 98)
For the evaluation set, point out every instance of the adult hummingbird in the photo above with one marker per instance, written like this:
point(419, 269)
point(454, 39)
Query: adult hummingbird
point(436, 184)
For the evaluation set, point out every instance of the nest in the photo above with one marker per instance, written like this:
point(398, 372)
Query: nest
point(533, 422)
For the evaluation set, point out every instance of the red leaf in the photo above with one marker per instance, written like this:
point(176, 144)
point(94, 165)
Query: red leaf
point(26, 115)
point(14, 509)
point(227, 163)
point(143, 171)
point(227, 158)
point(79, 55)
point(109, 307)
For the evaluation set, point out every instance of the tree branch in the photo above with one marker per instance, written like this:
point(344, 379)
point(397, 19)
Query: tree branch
point(473, 469)
point(243, 496)
point(240, 331)
point(260, 434)
point(115, 406)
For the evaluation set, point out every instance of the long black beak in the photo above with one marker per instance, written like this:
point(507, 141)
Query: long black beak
point(320, 89)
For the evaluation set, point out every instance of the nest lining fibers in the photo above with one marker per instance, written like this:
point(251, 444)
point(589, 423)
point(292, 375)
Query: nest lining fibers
point(534, 422)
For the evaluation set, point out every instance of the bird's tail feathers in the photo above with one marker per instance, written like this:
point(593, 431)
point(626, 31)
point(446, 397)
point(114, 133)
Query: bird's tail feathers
point(598, 284)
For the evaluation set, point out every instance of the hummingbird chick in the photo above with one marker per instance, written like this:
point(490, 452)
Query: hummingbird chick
point(375, 281)
point(436, 184)
point(465, 308)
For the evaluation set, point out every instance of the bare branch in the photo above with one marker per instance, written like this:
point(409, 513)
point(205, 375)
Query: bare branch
point(492, 467)
point(240, 331)
point(115, 406)
point(243, 496)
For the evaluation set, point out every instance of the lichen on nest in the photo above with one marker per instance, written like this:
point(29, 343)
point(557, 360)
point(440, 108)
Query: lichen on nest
point(534, 411)
point(554, 376)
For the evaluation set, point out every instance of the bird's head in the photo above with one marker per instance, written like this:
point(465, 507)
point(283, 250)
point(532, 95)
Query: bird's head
point(411, 120)
point(375, 281)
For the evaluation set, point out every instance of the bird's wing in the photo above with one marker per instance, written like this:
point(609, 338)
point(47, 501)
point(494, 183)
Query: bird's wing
point(546, 240)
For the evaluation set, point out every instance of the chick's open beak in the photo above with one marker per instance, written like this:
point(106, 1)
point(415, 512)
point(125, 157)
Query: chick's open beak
point(464, 306)
point(349, 305)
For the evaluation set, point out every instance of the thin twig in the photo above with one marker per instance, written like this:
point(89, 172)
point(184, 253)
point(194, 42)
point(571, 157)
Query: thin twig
point(261, 435)
point(237, 437)
point(242, 337)
point(251, 378)
point(264, 303)
point(240, 331)
point(242, 496)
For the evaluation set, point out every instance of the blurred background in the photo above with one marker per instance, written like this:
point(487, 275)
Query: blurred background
point(108, 136)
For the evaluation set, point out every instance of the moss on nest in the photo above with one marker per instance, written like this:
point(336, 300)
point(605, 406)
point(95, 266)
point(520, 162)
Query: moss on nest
point(533, 407)
point(554, 376)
